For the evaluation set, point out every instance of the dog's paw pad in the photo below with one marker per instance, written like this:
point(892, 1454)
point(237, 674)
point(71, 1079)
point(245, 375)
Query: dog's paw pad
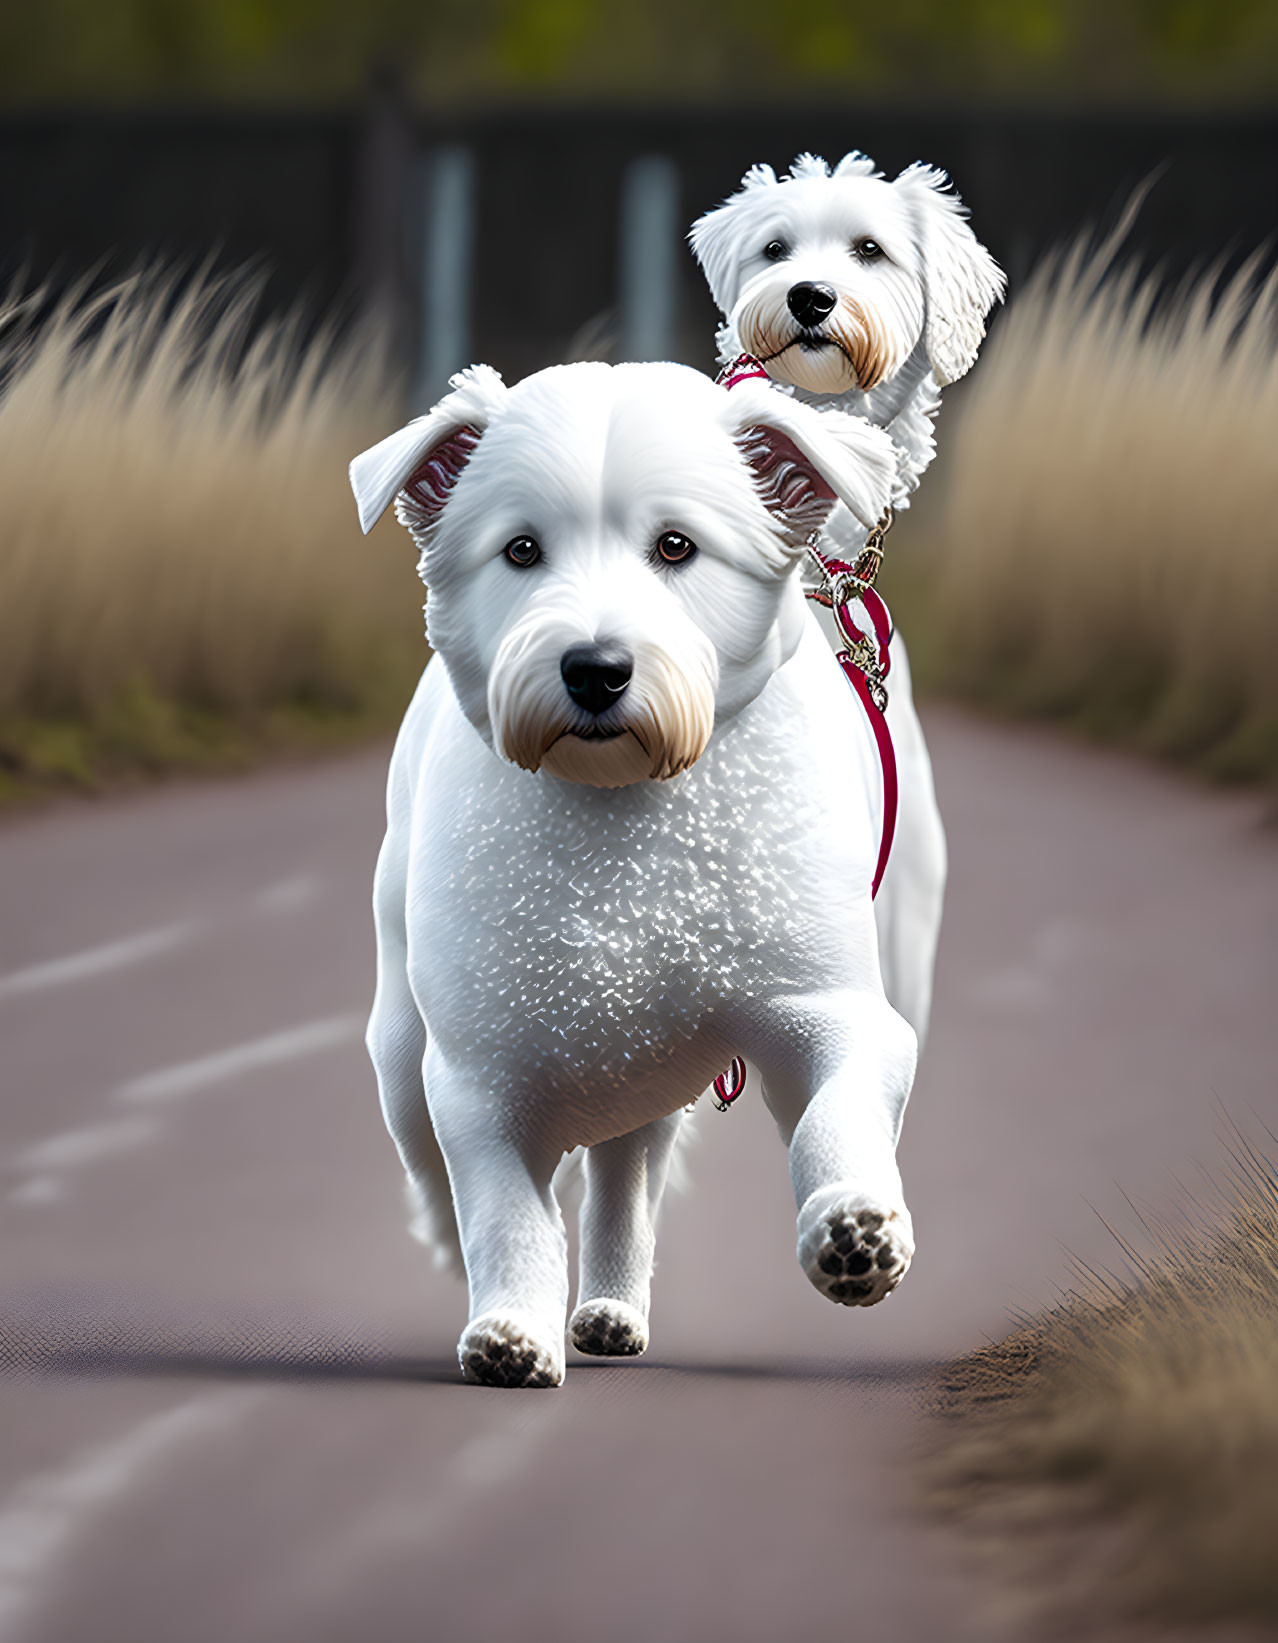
point(498, 1351)
point(609, 1329)
point(855, 1253)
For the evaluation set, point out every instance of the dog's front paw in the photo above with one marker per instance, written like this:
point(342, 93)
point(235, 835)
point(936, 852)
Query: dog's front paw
point(501, 1351)
point(609, 1329)
point(854, 1249)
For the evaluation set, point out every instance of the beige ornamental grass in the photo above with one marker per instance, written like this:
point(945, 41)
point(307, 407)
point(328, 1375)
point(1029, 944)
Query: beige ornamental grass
point(1110, 540)
point(178, 545)
point(1116, 1458)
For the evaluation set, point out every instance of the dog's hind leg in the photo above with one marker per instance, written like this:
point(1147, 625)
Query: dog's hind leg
point(907, 910)
point(625, 1179)
point(397, 1044)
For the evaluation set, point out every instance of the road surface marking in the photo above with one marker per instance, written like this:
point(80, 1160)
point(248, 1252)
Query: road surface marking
point(38, 1190)
point(285, 896)
point(1035, 981)
point(187, 1076)
point(93, 961)
point(420, 1520)
point(44, 1515)
point(46, 1163)
point(288, 895)
point(69, 1149)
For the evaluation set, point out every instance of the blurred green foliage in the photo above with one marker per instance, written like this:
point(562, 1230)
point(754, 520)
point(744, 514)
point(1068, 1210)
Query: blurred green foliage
point(450, 52)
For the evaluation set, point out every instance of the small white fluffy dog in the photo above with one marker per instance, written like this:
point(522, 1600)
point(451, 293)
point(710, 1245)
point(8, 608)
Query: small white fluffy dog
point(859, 293)
point(867, 296)
point(633, 815)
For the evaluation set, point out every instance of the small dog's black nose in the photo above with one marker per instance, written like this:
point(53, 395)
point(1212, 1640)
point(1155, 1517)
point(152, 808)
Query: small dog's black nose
point(810, 303)
point(596, 676)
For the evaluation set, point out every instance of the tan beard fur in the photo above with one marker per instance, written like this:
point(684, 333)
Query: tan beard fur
point(861, 362)
point(614, 763)
point(668, 719)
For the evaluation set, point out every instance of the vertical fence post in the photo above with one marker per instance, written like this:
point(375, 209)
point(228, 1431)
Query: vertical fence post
point(447, 268)
point(648, 260)
point(382, 214)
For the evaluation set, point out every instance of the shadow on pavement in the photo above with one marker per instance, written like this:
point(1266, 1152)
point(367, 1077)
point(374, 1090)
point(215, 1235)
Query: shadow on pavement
point(67, 1337)
point(60, 1333)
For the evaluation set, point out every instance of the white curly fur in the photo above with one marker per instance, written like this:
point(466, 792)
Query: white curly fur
point(566, 963)
point(906, 322)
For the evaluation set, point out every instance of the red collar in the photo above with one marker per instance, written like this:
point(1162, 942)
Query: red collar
point(742, 369)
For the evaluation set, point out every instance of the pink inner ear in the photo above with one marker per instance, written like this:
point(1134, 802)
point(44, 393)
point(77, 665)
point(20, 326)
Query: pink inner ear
point(788, 484)
point(432, 481)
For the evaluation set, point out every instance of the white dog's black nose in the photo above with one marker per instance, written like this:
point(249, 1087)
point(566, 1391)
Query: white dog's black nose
point(596, 676)
point(810, 303)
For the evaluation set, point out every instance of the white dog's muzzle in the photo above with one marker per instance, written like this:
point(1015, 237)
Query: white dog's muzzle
point(851, 346)
point(658, 724)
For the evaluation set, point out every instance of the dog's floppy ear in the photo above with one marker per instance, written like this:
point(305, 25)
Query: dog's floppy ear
point(961, 280)
point(715, 238)
point(805, 460)
point(426, 457)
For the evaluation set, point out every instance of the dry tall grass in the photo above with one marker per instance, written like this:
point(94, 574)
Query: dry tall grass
point(181, 567)
point(1110, 540)
point(1119, 1455)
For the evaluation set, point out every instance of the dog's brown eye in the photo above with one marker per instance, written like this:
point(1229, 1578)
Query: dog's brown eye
point(868, 250)
point(522, 551)
point(673, 548)
point(774, 250)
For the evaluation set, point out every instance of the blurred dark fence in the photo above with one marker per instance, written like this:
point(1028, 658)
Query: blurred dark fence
point(522, 238)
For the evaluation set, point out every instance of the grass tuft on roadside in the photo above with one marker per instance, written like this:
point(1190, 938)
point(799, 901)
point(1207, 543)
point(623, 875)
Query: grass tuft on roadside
point(1107, 553)
point(185, 584)
point(1117, 1456)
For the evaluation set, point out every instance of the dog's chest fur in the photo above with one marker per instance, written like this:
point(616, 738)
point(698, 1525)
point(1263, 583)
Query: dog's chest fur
point(602, 947)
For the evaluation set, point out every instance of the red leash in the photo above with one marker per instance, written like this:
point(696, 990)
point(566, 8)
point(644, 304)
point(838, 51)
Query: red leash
point(866, 661)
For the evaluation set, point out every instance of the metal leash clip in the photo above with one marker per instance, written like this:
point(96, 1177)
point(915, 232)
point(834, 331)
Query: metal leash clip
point(843, 588)
point(863, 653)
point(863, 573)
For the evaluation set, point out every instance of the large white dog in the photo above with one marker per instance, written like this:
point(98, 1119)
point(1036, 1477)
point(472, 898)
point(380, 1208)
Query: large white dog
point(867, 296)
point(634, 812)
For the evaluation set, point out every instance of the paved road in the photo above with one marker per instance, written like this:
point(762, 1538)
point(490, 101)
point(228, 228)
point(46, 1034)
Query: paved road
point(233, 1410)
